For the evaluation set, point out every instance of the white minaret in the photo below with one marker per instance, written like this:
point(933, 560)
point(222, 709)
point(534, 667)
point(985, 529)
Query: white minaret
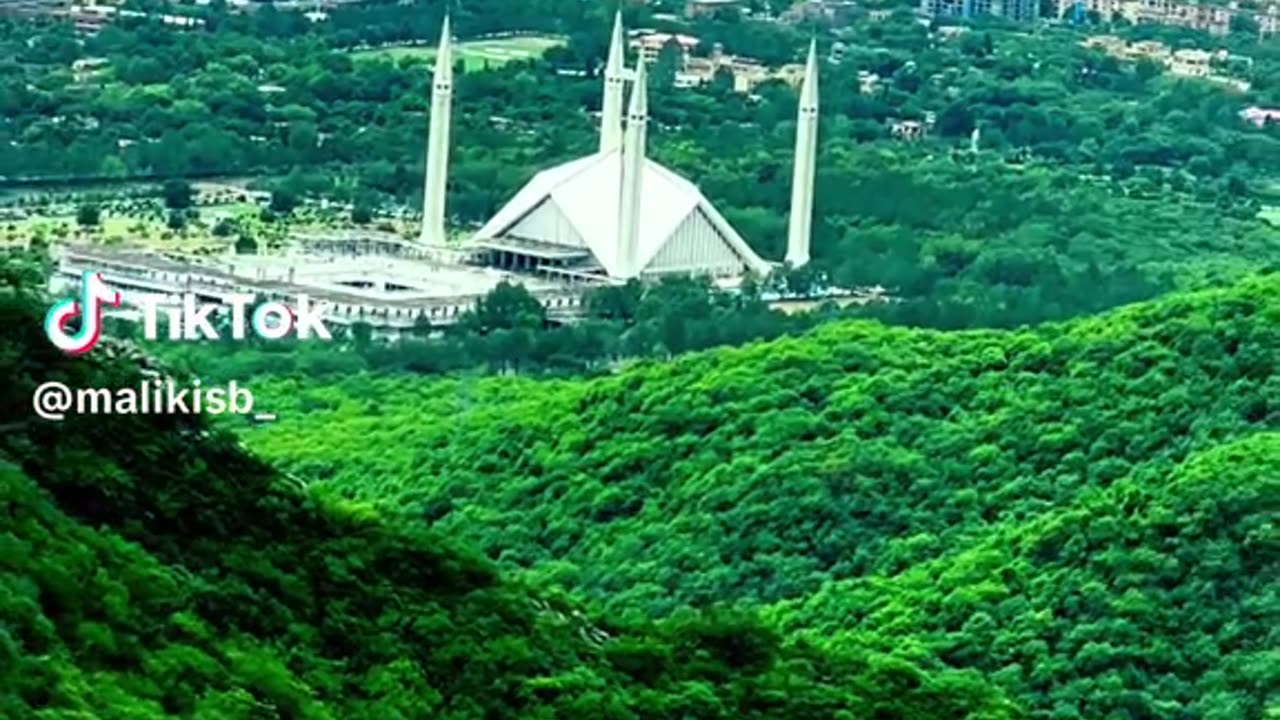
point(614, 81)
point(632, 174)
point(437, 176)
point(800, 225)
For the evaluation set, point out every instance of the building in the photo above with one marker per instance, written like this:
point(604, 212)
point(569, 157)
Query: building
point(32, 7)
point(868, 82)
point(746, 72)
point(1105, 10)
point(90, 18)
point(1260, 117)
point(837, 13)
point(707, 8)
point(1191, 63)
point(1214, 19)
point(907, 129)
point(599, 220)
point(621, 215)
point(1269, 20)
point(649, 44)
point(1019, 10)
point(1208, 17)
point(567, 219)
point(86, 69)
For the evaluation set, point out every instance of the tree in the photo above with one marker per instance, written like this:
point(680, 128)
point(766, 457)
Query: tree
point(177, 194)
point(1243, 24)
point(505, 307)
point(88, 215)
point(224, 227)
point(1147, 68)
point(284, 200)
point(668, 64)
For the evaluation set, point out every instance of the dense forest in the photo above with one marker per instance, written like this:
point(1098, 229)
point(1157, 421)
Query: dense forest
point(150, 569)
point(1084, 512)
point(1069, 521)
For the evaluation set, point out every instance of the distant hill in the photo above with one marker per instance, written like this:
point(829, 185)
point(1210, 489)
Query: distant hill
point(1081, 511)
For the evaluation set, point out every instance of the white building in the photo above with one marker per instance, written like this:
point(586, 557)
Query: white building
point(620, 215)
point(576, 206)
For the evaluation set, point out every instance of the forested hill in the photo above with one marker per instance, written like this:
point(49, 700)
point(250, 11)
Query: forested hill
point(150, 569)
point(1082, 511)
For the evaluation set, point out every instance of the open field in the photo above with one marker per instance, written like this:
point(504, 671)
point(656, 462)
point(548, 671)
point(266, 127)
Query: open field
point(133, 230)
point(58, 224)
point(476, 54)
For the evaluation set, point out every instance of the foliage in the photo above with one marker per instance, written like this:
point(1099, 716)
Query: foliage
point(88, 215)
point(150, 569)
point(177, 194)
point(892, 488)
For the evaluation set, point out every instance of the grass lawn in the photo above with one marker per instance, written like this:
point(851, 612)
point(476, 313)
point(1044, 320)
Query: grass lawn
point(475, 55)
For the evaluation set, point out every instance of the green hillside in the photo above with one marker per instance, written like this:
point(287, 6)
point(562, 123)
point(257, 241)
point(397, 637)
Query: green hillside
point(1156, 597)
point(1071, 522)
point(150, 569)
point(1043, 491)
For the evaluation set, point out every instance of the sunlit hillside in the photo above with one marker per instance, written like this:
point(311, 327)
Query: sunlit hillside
point(1038, 489)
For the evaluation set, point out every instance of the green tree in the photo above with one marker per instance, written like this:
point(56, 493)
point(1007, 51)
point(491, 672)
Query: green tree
point(506, 307)
point(88, 215)
point(177, 194)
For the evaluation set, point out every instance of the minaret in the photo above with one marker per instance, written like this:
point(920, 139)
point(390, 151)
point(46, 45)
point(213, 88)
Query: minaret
point(800, 224)
point(632, 174)
point(437, 176)
point(614, 81)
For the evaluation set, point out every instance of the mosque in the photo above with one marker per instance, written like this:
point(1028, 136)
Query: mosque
point(615, 215)
point(607, 218)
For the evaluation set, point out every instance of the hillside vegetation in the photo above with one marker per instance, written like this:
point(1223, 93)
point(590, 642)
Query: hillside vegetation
point(1082, 511)
point(150, 569)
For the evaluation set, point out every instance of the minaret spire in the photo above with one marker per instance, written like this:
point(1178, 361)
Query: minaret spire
point(800, 224)
point(633, 162)
point(614, 81)
point(437, 175)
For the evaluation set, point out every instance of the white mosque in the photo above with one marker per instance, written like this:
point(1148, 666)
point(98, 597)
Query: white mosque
point(615, 214)
point(607, 218)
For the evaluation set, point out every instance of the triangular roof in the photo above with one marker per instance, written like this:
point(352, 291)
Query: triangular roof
point(585, 193)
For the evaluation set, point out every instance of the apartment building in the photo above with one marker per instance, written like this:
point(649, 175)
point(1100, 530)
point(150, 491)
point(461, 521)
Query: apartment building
point(705, 8)
point(1020, 10)
point(1208, 17)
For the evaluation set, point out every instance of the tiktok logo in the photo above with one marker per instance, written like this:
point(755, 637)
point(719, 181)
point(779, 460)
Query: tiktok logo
point(93, 293)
